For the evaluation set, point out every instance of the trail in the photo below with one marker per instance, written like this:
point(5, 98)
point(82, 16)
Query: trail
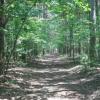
point(50, 82)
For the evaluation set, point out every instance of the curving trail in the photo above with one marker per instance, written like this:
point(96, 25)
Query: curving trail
point(50, 83)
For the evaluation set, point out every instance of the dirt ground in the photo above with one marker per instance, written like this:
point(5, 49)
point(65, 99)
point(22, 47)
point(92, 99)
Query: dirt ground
point(50, 82)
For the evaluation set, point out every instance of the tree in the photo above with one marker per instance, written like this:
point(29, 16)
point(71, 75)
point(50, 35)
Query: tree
point(92, 50)
point(97, 27)
point(2, 26)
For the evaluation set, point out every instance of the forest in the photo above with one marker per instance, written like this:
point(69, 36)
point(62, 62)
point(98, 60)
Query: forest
point(49, 49)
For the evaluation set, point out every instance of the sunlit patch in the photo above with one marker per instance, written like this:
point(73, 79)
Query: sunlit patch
point(62, 93)
point(51, 88)
point(35, 82)
point(19, 79)
point(66, 93)
point(75, 69)
point(15, 86)
point(59, 98)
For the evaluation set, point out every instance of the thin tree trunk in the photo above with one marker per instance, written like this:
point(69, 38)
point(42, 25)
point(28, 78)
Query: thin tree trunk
point(2, 26)
point(71, 40)
point(97, 26)
point(79, 48)
point(92, 51)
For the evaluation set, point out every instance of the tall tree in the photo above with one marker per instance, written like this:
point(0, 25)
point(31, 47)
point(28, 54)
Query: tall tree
point(97, 26)
point(92, 51)
point(2, 26)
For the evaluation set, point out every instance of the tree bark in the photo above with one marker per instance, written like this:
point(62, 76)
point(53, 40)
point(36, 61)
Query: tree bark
point(97, 26)
point(92, 51)
point(2, 26)
point(71, 40)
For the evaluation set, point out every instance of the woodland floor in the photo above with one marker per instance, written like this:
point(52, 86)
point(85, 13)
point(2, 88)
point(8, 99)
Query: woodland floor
point(52, 79)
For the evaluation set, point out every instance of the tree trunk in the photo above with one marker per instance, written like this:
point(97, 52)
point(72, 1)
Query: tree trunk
point(79, 48)
point(92, 51)
point(97, 26)
point(2, 26)
point(71, 40)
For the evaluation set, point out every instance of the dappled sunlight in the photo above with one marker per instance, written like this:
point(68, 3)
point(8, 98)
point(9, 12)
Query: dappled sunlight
point(20, 69)
point(19, 80)
point(75, 69)
point(50, 84)
point(59, 98)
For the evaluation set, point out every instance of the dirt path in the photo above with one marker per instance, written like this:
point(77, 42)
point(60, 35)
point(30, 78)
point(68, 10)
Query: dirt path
point(50, 84)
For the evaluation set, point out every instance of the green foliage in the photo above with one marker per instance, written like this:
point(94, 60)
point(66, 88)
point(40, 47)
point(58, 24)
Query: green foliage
point(84, 59)
point(35, 25)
